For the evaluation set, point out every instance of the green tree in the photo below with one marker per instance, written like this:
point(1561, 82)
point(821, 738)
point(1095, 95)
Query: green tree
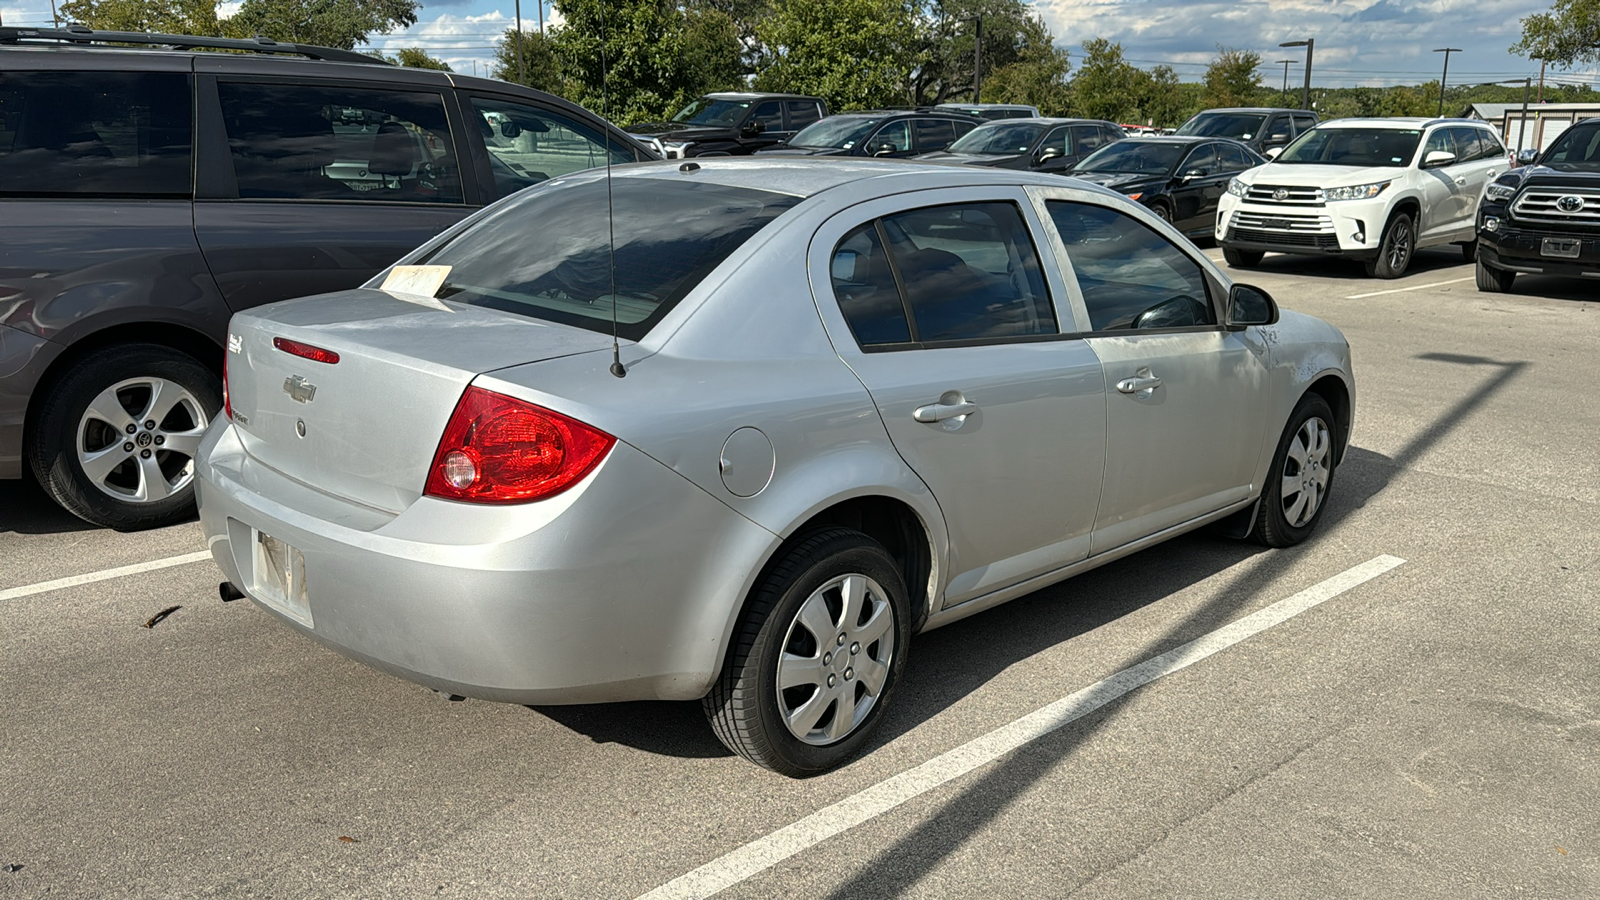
point(655, 57)
point(1233, 79)
point(1106, 84)
point(942, 67)
point(1164, 105)
point(540, 68)
point(327, 23)
point(852, 53)
point(1037, 77)
point(1566, 35)
point(418, 58)
point(197, 17)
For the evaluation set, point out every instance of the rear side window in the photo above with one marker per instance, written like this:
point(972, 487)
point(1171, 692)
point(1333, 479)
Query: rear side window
point(669, 236)
point(1088, 137)
point(529, 144)
point(802, 113)
point(310, 142)
point(102, 133)
point(1130, 276)
point(934, 134)
point(963, 272)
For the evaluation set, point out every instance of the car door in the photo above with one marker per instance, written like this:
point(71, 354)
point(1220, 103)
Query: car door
point(1479, 164)
point(945, 314)
point(1443, 200)
point(1184, 397)
point(306, 188)
point(764, 127)
point(1196, 187)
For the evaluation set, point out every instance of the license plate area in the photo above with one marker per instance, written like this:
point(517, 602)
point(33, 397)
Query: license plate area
point(1561, 248)
point(280, 578)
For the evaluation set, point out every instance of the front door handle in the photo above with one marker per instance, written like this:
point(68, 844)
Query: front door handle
point(1143, 382)
point(938, 412)
point(1461, 181)
point(1491, 173)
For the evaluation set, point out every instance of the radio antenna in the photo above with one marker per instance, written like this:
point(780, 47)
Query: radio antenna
point(617, 368)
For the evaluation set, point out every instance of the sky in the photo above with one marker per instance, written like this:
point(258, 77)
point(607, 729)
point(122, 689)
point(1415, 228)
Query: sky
point(1358, 42)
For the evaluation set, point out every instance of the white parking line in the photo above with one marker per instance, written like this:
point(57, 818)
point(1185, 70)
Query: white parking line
point(103, 575)
point(763, 853)
point(1415, 287)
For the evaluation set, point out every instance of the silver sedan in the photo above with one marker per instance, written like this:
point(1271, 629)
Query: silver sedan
point(741, 438)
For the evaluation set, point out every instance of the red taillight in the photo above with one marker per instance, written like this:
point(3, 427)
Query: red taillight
point(227, 402)
point(305, 351)
point(498, 449)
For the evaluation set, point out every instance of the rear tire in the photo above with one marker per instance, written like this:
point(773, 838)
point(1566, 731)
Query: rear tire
point(84, 455)
point(1399, 244)
point(1492, 280)
point(831, 619)
point(1242, 259)
point(1301, 476)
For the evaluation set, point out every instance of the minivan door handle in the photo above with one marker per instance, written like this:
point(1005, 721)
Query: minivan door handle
point(938, 412)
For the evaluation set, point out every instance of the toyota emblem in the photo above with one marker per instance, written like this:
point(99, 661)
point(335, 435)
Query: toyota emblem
point(1280, 195)
point(1571, 203)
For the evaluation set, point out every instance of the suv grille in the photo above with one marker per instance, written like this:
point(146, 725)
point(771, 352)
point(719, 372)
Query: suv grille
point(1543, 204)
point(1293, 196)
point(1315, 232)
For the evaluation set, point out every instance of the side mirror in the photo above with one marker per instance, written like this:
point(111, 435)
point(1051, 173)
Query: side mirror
point(1527, 157)
point(1195, 173)
point(1272, 153)
point(884, 149)
point(1048, 154)
point(1437, 158)
point(1280, 137)
point(1249, 305)
point(752, 129)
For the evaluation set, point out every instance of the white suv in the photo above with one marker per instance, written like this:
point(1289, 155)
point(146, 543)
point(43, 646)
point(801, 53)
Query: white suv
point(1369, 189)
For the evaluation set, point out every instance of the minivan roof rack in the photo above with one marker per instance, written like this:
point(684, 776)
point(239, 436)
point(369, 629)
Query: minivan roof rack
point(81, 34)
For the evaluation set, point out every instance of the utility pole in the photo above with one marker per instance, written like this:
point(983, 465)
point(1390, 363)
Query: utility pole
point(1311, 46)
point(1446, 51)
point(1283, 97)
point(977, 60)
point(1541, 82)
point(522, 78)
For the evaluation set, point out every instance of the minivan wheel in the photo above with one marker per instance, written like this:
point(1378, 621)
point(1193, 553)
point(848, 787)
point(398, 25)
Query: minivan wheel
point(1492, 280)
point(1394, 251)
point(1242, 259)
point(815, 656)
point(115, 439)
point(1300, 477)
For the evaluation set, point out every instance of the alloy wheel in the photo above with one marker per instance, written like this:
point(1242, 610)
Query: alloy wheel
point(137, 439)
point(1398, 248)
point(836, 659)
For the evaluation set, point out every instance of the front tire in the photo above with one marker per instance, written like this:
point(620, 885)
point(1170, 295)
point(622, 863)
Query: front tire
point(115, 438)
point(1300, 477)
point(1242, 259)
point(815, 657)
point(1492, 280)
point(1395, 250)
point(1469, 251)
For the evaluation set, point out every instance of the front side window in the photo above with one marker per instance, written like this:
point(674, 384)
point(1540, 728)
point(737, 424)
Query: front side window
point(310, 142)
point(1438, 142)
point(768, 115)
point(1058, 140)
point(1131, 277)
point(894, 137)
point(964, 272)
point(1576, 148)
point(101, 133)
point(528, 144)
point(1202, 159)
point(1356, 147)
point(547, 252)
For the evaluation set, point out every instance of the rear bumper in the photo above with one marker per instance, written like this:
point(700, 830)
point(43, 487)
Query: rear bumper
point(1521, 250)
point(622, 588)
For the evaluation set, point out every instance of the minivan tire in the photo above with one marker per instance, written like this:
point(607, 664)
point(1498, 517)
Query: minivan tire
point(166, 397)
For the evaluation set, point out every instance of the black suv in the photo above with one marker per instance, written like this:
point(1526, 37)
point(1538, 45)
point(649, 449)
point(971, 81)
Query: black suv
point(731, 124)
point(1261, 128)
point(1544, 218)
point(148, 194)
point(894, 133)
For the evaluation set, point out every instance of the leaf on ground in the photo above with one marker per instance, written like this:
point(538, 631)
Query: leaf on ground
point(348, 840)
point(160, 616)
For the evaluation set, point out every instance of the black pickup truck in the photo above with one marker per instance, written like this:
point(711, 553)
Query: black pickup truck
point(731, 124)
point(1544, 218)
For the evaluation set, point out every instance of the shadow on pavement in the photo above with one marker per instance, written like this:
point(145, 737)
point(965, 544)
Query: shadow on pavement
point(950, 663)
point(26, 509)
point(1342, 269)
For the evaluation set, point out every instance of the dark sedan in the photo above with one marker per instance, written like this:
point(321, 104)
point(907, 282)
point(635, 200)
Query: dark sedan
point(881, 133)
point(1180, 178)
point(1039, 145)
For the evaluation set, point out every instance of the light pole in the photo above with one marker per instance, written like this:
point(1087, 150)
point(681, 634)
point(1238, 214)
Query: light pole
point(1286, 63)
point(521, 79)
point(977, 57)
point(1311, 45)
point(1446, 51)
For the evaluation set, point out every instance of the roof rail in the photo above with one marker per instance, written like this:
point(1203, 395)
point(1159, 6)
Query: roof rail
point(80, 34)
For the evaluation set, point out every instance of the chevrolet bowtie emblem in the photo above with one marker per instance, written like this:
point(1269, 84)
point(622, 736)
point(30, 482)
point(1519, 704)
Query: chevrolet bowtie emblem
point(299, 389)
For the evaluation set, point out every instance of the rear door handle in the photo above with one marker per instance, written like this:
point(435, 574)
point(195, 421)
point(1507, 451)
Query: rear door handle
point(938, 412)
point(1144, 381)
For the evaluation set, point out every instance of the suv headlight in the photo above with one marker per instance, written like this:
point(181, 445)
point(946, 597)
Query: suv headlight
point(1498, 191)
point(1237, 187)
point(1358, 192)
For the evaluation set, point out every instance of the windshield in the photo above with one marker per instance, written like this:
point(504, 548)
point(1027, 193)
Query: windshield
point(669, 235)
point(1239, 126)
point(1385, 147)
point(835, 132)
point(1136, 157)
point(1577, 148)
point(712, 112)
point(1001, 137)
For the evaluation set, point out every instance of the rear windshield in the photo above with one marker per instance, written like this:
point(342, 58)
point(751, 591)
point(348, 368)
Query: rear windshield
point(545, 253)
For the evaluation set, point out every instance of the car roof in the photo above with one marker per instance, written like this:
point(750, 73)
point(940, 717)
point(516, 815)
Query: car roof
point(807, 177)
point(1399, 122)
point(757, 95)
point(1047, 120)
point(1253, 109)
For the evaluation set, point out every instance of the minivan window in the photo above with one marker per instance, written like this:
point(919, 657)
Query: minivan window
point(314, 142)
point(529, 144)
point(1357, 147)
point(668, 236)
point(102, 133)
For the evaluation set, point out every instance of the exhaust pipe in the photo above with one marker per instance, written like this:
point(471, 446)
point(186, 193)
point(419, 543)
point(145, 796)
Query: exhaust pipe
point(228, 592)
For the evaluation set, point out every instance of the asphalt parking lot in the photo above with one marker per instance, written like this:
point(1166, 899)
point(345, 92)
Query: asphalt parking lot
point(1420, 717)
